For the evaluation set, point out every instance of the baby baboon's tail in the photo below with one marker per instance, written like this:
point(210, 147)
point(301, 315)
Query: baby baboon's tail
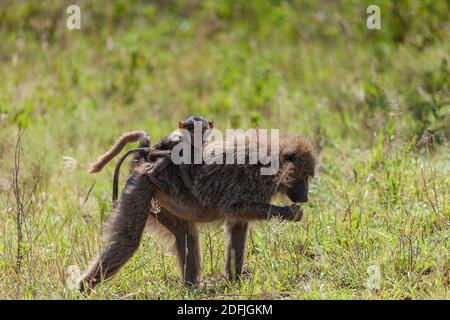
point(126, 138)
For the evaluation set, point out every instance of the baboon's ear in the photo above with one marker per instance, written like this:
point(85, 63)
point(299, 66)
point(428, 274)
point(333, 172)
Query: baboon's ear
point(181, 125)
point(211, 124)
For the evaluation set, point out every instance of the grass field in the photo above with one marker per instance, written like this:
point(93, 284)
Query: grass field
point(375, 103)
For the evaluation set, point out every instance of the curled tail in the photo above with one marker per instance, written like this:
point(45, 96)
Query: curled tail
point(117, 172)
point(143, 152)
point(144, 142)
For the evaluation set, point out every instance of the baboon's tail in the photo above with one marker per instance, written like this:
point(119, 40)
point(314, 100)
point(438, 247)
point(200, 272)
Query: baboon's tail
point(126, 138)
point(143, 152)
point(117, 172)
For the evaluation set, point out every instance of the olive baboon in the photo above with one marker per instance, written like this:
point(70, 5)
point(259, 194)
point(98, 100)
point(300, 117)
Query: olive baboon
point(236, 193)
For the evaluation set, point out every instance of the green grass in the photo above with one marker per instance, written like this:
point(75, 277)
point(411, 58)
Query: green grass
point(376, 103)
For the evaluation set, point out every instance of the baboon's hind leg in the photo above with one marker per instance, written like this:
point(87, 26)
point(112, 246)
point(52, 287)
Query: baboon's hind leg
point(188, 251)
point(125, 235)
point(237, 233)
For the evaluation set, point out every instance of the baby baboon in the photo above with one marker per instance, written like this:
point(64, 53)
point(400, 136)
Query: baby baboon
point(236, 193)
point(187, 130)
point(159, 154)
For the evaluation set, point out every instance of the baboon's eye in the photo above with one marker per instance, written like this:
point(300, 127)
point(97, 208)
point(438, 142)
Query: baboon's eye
point(289, 156)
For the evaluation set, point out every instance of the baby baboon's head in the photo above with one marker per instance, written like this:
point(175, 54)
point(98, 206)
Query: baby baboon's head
point(188, 126)
point(297, 165)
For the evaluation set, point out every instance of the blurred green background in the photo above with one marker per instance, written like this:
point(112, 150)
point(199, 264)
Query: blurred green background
point(375, 103)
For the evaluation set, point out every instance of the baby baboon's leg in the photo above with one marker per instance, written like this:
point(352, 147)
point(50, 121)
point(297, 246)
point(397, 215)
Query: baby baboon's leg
point(188, 250)
point(237, 233)
point(126, 231)
point(264, 211)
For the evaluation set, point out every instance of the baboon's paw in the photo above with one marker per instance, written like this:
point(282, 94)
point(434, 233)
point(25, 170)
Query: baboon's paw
point(296, 213)
point(83, 288)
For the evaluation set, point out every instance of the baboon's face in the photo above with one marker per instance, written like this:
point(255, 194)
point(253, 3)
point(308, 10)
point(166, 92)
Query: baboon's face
point(301, 163)
point(190, 123)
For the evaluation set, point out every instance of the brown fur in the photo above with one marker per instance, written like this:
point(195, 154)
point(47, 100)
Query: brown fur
point(236, 193)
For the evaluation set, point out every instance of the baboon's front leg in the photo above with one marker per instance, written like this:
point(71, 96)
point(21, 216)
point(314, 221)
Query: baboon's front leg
point(264, 211)
point(127, 226)
point(188, 250)
point(237, 234)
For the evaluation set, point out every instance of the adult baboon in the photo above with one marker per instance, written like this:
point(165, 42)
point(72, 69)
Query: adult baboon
point(236, 193)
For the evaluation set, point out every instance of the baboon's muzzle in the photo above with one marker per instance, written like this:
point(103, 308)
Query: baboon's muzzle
point(298, 192)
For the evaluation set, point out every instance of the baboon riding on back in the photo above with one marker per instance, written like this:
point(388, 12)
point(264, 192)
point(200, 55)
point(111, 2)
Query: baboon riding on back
point(235, 193)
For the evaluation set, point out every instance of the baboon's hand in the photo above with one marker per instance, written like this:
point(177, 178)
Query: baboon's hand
point(296, 213)
point(289, 213)
point(84, 288)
